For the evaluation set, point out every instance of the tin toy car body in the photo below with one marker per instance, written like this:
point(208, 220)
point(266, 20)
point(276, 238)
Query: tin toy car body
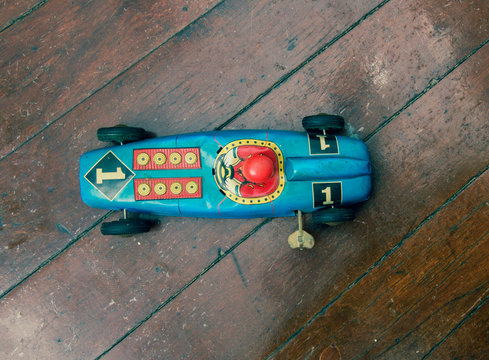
point(228, 174)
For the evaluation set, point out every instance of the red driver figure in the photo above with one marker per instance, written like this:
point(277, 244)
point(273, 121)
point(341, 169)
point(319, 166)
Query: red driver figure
point(255, 170)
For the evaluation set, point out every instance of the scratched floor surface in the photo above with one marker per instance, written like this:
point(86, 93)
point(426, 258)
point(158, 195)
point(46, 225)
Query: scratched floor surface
point(408, 279)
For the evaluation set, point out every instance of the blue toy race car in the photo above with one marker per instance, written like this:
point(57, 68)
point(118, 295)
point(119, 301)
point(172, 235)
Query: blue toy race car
point(228, 174)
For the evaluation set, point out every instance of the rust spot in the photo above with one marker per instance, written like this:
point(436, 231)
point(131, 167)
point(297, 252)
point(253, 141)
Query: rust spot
point(330, 353)
point(14, 206)
point(279, 67)
point(20, 240)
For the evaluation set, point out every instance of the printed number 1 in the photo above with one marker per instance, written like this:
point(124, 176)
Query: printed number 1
point(327, 193)
point(322, 141)
point(116, 175)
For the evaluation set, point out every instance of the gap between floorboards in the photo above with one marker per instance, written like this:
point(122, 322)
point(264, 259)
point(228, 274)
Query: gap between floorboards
point(24, 15)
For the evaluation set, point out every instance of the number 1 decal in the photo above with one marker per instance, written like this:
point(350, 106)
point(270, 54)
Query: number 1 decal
point(320, 144)
point(115, 175)
point(327, 194)
point(109, 175)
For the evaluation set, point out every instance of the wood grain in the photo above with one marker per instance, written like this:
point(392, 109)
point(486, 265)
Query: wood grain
point(92, 295)
point(66, 51)
point(468, 338)
point(167, 92)
point(37, 92)
point(180, 290)
point(378, 67)
point(410, 301)
point(13, 11)
point(445, 125)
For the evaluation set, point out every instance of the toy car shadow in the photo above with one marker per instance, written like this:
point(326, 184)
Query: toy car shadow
point(228, 174)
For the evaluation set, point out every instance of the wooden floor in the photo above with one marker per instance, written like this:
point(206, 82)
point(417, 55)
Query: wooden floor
point(409, 279)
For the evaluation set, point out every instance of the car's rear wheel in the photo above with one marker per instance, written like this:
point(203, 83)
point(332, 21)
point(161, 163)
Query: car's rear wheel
point(126, 227)
point(333, 216)
point(122, 134)
point(322, 122)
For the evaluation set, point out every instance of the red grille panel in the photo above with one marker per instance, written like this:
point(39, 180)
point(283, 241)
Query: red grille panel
point(168, 188)
point(166, 159)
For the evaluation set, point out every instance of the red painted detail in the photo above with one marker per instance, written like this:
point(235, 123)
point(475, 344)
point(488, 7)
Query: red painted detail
point(260, 177)
point(250, 190)
point(220, 205)
point(246, 151)
point(216, 140)
point(184, 194)
point(258, 168)
point(151, 165)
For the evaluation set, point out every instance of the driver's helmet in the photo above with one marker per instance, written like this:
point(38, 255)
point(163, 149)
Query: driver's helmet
point(258, 168)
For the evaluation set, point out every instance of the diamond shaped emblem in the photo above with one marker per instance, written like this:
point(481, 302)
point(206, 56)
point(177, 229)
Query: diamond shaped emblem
point(109, 175)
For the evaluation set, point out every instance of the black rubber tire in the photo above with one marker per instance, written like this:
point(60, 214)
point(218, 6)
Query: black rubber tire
point(333, 215)
point(126, 227)
point(122, 134)
point(322, 122)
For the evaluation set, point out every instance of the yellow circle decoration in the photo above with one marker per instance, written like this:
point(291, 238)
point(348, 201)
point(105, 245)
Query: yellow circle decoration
point(176, 188)
point(160, 189)
point(144, 189)
point(192, 187)
point(175, 158)
point(142, 159)
point(190, 158)
point(159, 158)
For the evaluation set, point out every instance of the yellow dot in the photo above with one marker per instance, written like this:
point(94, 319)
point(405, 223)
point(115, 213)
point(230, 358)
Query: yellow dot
point(190, 158)
point(175, 158)
point(144, 189)
point(176, 188)
point(159, 158)
point(142, 159)
point(192, 187)
point(160, 188)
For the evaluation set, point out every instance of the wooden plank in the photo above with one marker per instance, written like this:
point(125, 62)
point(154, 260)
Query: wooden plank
point(66, 51)
point(415, 297)
point(468, 339)
point(452, 286)
point(167, 93)
point(39, 61)
point(270, 291)
point(13, 11)
point(421, 174)
point(366, 81)
point(88, 298)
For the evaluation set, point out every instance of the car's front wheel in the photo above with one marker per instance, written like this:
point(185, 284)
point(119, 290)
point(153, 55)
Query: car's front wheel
point(333, 216)
point(122, 134)
point(126, 227)
point(322, 122)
